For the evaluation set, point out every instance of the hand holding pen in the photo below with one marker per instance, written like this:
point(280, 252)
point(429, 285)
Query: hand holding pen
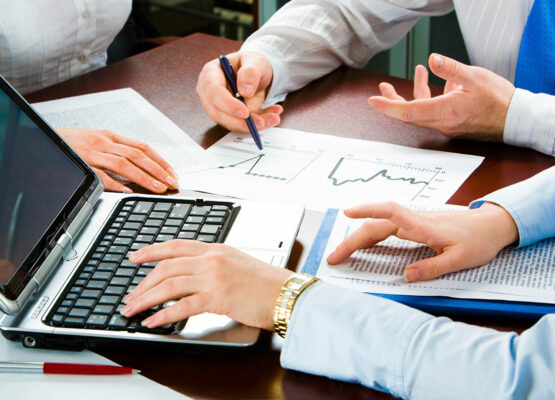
point(254, 76)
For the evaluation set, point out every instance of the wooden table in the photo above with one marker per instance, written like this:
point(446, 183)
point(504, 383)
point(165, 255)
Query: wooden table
point(335, 104)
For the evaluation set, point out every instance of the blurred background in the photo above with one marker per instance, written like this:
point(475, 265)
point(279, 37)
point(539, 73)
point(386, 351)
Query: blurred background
point(155, 22)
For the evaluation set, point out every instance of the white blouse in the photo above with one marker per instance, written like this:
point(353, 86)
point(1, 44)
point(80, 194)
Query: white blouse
point(43, 42)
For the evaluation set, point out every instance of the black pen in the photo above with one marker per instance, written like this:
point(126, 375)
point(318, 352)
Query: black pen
point(232, 80)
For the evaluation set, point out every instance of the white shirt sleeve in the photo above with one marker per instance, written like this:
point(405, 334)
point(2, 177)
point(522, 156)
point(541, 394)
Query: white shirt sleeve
point(531, 121)
point(307, 39)
point(356, 337)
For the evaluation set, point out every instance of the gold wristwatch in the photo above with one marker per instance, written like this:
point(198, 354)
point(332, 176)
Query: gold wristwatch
point(290, 291)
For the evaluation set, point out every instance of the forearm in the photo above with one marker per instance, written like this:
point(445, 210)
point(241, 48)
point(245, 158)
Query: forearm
point(361, 338)
point(531, 121)
point(306, 39)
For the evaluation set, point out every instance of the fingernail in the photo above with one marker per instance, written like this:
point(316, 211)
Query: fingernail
point(412, 275)
point(126, 190)
point(126, 311)
point(330, 258)
point(438, 61)
point(148, 322)
point(241, 114)
point(172, 171)
point(172, 182)
point(159, 186)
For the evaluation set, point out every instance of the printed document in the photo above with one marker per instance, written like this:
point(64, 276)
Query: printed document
point(525, 274)
point(322, 171)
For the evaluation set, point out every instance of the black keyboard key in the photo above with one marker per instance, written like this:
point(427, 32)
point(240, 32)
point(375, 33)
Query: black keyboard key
point(211, 229)
point(163, 207)
point(62, 310)
point(129, 272)
point(193, 219)
point(217, 214)
point(180, 211)
point(97, 256)
point(85, 303)
point(123, 241)
point(173, 222)
point(76, 289)
point(90, 294)
point(169, 230)
point(107, 266)
point(79, 312)
point(206, 238)
point(214, 220)
point(158, 215)
point(117, 249)
point(200, 210)
point(71, 296)
point(137, 279)
point(102, 275)
point(94, 284)
point(57, 319)
point(97, 321)
point(114, 290)
point(110, 300)
point(120, 281)
point(104, 309)
point(118, 322)
point(137, 218)
point(190, 227)
point(137, 246)
point(134, 226)
point(144, 239)
point(187, 235)
point(128, 233)
point(157, 223)
point(220, 207)
point(164, 238)
point(74, 322)
point(143, 207)
point(116, 258)
point(149, 230)
point(127, 264)
point(105, 243)
point(89, 269)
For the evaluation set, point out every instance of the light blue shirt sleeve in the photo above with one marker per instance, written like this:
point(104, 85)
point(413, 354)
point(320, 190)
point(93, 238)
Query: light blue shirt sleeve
point(531, 203)
point(356, 337)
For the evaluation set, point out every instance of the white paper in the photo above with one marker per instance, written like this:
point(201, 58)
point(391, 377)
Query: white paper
point(20, 385)
point(322, 171)
point(127, 113)
point(526, 274)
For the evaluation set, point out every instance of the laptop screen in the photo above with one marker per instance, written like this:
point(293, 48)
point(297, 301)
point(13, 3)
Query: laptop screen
point(38, 180)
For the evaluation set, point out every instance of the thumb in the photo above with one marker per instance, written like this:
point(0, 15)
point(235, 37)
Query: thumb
point(254, 74)
point(449, 69)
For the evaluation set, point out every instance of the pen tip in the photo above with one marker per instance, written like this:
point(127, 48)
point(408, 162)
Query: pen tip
point(136, 371)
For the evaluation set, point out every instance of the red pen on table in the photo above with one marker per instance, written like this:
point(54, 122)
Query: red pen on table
point(65, 368)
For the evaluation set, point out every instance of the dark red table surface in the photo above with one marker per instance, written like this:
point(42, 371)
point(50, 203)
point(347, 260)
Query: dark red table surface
point(335, 104)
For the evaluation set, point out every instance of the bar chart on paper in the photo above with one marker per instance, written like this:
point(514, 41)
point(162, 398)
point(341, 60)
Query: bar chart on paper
point(322, 171)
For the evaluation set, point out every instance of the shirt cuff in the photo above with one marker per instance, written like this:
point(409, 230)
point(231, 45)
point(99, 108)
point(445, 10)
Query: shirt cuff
point(530, 121)
point(351, 336)
point(531, 204)
point(277, 91)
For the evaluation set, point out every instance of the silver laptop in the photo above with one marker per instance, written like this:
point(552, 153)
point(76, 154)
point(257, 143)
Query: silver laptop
point(64, 244)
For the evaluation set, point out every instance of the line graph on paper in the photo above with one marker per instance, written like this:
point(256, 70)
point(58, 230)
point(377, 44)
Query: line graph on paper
point(276, 163)
point(390, 179)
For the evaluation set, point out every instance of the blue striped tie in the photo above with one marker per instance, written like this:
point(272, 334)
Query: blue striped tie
point(535, 68)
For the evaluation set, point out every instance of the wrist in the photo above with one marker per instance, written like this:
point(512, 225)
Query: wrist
point(284, 304)
point(503, 224)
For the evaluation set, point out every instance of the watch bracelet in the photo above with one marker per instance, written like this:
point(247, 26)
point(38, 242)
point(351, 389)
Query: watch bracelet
point(285, 302)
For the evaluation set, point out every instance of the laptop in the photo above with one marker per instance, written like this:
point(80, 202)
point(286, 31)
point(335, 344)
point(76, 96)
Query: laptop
point(64, 244)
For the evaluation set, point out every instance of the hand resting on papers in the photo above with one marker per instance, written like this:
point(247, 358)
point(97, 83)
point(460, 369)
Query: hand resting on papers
point(105, 151)
point(462, 239)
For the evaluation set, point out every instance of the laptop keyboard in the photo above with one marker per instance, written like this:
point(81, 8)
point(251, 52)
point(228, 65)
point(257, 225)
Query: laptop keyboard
point(94, 297)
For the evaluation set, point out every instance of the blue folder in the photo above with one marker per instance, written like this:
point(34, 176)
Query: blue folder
point(438, 305)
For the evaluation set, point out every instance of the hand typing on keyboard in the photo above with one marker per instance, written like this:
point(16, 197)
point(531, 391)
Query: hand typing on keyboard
point(205, 278)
